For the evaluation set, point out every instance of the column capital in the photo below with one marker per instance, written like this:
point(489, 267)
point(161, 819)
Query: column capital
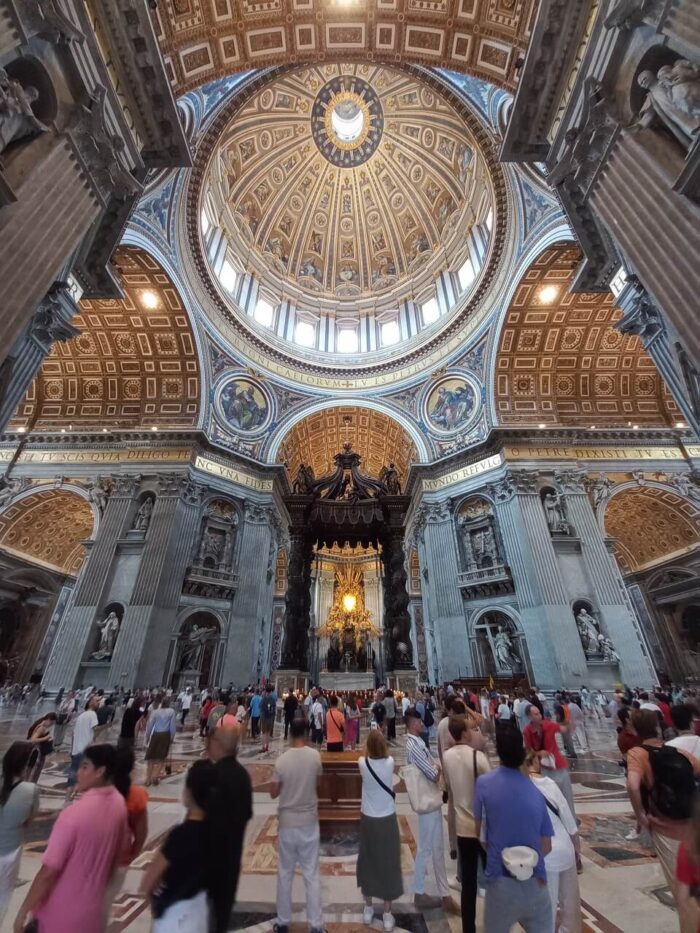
point(432, 513)
point(255, 514)
point(191, 492)
point(51, 319)
point(570, 481)
point(641, 316)
point(168, 485)
point(124, 487)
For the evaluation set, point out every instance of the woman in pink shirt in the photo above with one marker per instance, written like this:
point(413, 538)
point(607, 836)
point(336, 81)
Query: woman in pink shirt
point(87, 843)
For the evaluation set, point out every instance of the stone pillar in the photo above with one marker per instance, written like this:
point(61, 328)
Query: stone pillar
point(556, 653)
point(70, 645)
point(636, 181)
point(606, 582)
point(397, 618)
point(55, 206)
point(142, 646)
point(253, 600)
point(446, 623)
point(49, 323)
point(296, 612)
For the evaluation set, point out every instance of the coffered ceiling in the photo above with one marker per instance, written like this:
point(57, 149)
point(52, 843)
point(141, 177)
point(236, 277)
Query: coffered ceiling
point(202, 40)
point(561, 361)
point(648, 524)
point(133, 365)
point(48, 527)
point(318, 438)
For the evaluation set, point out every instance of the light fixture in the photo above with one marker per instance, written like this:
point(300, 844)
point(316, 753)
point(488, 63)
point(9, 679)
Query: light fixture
point(21, 430)
point(63, 430)
point(104, 430)
point(149, 299)
point(548, 294)
point(592, 428)
point(154, 428)
point(681, 424)
point(542, 425)
point(349, 602)
point(635, 427)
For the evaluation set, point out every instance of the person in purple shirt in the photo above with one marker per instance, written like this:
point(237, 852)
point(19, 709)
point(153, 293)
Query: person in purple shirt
point(514, 817)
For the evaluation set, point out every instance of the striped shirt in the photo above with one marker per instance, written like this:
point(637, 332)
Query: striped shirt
point(417, 754)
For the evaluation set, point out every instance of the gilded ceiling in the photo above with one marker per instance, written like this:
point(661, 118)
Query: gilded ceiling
point(48, 527)
point(318, 438)
point(561, 361)
point(342, 217)
point(648, 524)
point(202, 40)
point(133, 365)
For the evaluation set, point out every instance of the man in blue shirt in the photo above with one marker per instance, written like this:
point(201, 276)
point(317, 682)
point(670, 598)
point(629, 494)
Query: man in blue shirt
point(515, 816)
point(255, 708)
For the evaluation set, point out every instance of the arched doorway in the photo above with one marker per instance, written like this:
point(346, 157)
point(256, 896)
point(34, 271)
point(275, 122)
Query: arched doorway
point(499, 647)
point(197, 652)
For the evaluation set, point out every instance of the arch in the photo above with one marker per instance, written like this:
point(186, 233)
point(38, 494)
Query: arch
point(392, 422)
point(47, 525)
point(134, 364)
point(202, 42)
point(560, 360)
point(648, 523)
point(483, 650)
point(202, 667)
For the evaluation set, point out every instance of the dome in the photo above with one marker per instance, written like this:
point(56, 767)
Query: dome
point(344, 192)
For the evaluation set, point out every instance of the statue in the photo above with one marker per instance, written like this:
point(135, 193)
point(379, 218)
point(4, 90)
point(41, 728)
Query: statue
point(555, 513)
point(17, 118)
point(109, 629)
point(588, 630)
point(673, 99)
point(303, 482)
point(390, 477)
point(506, 656)
point(601, 489)
point(8, 489)
point(607, 650)
point(194, 645)
point(143, 516)
point(211, 547)
point(98, 495)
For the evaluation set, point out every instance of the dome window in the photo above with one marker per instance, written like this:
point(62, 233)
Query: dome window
point(391, 333)
point(347, 340)
point(466, 275)
point(228, 276)
point(264, 313)
point(429, 311)
point(305, 334)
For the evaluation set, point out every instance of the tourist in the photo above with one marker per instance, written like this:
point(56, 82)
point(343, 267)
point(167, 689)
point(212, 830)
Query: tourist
point(683, 722)
point(662, 791)
point(688, 868)
point(19, 804)
point(268, 711)
point(40, 735)
point(160, 732)
point(430, 835)
point(290, 706)
point(216, 712)
point(64, 713)
point(377, 711)
point(205, 709)
point(295, 783)
point(132, 714)
point(87, 842)
point(406, 704)
point(379, 857)
point(578, 724)
point(229, 719)
point(390, 711)
point(520, 708)
point(228, 812)
point(335, 726)
point(516, 816)
point(318, 716)
point(503, 713)
point(562, 877)
point(184, 702)
point(462, 765)
point(627, 738)
point(562, 715)
point(176, 880)
point(136, 799)
point(540, 736)
point(254, 711)
point(83, 735)
point(352, 723)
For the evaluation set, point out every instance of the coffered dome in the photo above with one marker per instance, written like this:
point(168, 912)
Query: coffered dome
point(346, 190)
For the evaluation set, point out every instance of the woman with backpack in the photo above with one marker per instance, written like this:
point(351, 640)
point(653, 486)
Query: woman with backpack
point(661, 787)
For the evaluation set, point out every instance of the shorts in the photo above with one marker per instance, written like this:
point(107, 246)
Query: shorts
point(267, 725)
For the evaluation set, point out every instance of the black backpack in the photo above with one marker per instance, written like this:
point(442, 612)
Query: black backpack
point(674, 783)
point(429, 719)
point(269, 707)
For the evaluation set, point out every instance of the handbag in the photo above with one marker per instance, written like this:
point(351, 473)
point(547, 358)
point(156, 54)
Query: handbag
point(379, 780)
point(424, 796)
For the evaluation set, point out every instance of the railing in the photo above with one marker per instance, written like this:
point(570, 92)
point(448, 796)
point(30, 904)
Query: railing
point(483, 575)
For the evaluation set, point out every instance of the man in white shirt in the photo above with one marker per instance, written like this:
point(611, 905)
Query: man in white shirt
point(185, 701)
point(83, 735)
point(317, 716)
point(504, 712)
point(686, 739)
point(295, 783)
point(520, 708)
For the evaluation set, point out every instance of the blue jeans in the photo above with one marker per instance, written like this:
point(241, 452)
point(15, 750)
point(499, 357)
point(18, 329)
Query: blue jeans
point(73, 769)
point(509, 901)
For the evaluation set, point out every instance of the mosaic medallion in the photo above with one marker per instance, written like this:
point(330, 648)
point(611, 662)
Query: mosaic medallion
point(347, 121)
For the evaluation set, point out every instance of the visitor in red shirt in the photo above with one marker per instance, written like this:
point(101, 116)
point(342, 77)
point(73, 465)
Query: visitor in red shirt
point(541, 736)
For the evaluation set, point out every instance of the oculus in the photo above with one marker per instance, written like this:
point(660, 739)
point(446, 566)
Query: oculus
point(347, 121)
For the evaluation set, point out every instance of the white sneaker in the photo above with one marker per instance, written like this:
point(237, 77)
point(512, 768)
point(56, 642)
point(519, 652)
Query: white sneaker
point(633, 835)
point(388, 922)
point(368, 915)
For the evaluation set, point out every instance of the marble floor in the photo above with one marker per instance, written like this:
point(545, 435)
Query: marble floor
point(622, 886)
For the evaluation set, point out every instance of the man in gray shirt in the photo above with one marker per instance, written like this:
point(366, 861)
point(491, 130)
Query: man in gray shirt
point(295, 783)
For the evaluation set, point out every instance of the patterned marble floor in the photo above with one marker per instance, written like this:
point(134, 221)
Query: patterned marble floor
point(622, 886)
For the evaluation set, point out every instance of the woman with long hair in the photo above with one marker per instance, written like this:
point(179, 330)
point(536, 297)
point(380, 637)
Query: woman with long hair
point(160, 732)
point(379, 858)
point(352, 722)
point(19, 803)
point(41, 736)
point(87, 843)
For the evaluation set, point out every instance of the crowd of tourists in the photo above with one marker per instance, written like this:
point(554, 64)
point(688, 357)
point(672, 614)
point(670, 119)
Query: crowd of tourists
point(512, 828)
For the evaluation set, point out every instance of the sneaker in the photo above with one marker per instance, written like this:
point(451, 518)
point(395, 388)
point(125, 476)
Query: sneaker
point(632, 835)
point(427, 902)
point(368, 915)
point(388, 922)
point(280, 928)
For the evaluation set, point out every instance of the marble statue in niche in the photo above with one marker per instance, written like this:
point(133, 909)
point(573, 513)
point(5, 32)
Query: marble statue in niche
point(143, 516)
point(673, 99)
point(17, 120)
point(109, 629)
point(507, 658)
point(193, 644)
point(588, 631)
point(554, 512)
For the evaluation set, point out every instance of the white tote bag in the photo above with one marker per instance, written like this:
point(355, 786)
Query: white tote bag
point(424, 795)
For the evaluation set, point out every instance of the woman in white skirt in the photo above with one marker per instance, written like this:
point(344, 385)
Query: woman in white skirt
point(176, 879)
point(19, 802)
point(562, 877)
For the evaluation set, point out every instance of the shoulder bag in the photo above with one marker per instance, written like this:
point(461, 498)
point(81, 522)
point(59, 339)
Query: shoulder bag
point(424, 796)
point(379, 780)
